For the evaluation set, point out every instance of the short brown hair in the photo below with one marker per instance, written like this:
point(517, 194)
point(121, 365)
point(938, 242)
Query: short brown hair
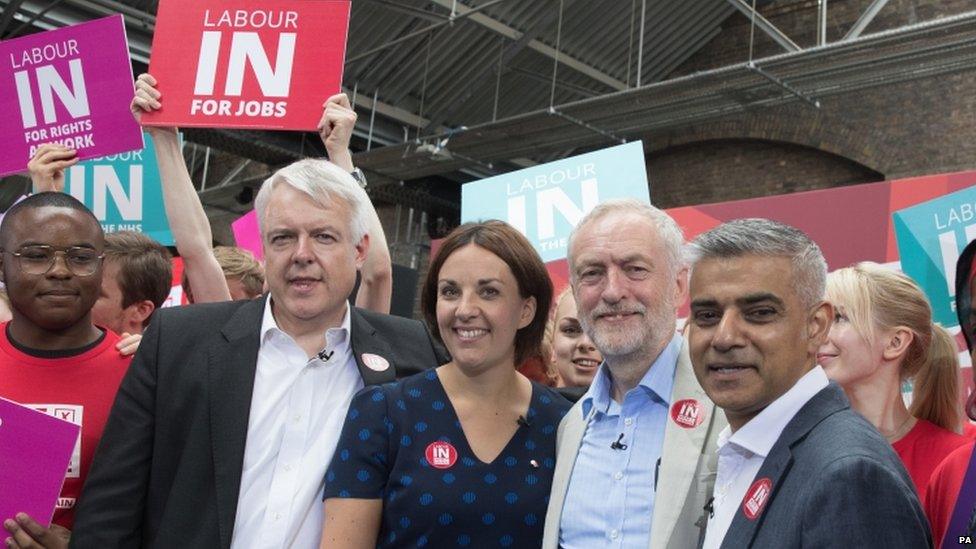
point(530, 273)
point(237, 263)
point(145, 271)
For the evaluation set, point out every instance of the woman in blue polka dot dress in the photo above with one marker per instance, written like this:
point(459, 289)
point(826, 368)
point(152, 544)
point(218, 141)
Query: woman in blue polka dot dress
point(463, 455)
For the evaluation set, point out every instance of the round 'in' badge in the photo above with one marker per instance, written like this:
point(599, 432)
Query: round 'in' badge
point(756, 498)
point(441, 455)
point(687, 413)
point(375, 362)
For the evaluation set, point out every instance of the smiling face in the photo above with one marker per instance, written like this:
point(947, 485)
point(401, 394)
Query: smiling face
point(479, 309)
point(626, 292)
point(847, 356)
point(574, 356)
point(750, 336)
point(310, 258)
point(58, 299)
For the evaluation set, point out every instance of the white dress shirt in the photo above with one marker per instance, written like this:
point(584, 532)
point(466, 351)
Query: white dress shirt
point(297, 410)
point(741, 454)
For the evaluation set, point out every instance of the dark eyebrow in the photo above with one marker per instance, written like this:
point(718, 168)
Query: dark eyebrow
point(481, 282)
point(752, 299)
point(749, 299)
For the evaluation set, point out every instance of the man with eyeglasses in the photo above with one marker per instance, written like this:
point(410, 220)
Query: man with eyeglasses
point(52, 357)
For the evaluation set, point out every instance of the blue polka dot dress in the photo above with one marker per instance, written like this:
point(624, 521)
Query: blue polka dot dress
point(402, 442)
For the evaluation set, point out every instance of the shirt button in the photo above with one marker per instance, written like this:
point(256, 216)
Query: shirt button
point(287, 468)
point(297, 418)
point(618, 475)
point(614, 534)
point(276, 516)
point(629, 421)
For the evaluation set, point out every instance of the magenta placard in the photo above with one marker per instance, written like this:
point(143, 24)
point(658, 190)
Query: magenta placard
point(72, 86)
point(247, 234)
point(35, 449)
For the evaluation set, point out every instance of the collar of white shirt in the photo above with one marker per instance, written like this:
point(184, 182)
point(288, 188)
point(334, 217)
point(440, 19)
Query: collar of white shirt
point(760, 433)
point(333, 336)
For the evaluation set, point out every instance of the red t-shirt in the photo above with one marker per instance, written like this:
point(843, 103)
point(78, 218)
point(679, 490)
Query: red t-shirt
point(923, 448)
point(80, 389)
point(943, 492)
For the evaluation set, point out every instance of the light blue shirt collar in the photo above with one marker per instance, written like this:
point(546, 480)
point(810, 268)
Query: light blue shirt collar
point(658, 381)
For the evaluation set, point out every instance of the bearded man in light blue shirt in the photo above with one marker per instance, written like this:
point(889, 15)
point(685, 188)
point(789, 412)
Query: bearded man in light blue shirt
point(636, 456)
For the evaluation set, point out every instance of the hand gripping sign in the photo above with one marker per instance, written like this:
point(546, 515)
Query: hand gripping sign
point(247, 63)
point(70, 86)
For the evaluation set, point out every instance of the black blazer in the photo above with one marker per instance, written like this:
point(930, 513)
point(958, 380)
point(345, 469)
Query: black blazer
point(167, 471)
point(835, 482)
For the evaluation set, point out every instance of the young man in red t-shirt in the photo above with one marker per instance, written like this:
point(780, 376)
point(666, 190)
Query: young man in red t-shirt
point(52, 357)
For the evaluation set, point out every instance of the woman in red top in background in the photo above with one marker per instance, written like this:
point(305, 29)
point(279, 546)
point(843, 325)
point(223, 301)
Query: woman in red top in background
point(950, 502)
point(883, 335)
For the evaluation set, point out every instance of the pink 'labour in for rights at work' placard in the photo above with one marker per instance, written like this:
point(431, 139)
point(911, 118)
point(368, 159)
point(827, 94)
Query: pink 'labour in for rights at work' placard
point(71, 86)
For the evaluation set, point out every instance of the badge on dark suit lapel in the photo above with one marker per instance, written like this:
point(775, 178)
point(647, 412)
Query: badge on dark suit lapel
point(373, 355)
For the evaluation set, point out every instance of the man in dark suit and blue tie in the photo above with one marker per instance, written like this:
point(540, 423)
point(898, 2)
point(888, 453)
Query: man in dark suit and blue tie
point(797, 467)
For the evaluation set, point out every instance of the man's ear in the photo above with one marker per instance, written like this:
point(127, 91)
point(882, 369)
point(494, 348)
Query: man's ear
point(681, 290)
point(137, 313)
point(362, 249)
point(818, 325)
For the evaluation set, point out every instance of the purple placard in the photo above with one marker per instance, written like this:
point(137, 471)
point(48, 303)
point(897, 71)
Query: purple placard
point(35, 449)
point(70, 85)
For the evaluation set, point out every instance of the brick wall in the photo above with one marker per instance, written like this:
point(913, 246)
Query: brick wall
point(907, 129)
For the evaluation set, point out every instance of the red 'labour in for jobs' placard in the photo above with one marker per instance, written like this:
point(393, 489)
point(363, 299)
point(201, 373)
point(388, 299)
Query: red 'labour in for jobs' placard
point(247, 63)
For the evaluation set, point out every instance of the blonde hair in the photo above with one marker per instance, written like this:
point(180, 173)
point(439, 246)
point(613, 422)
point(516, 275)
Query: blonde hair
point(552, 376)
point(236, 263)
point(239, 263)
point(875, 298)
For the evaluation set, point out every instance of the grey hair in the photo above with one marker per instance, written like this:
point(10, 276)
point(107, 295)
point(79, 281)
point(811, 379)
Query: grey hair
point(324, 183)
point(768, 238)
point(669, 231)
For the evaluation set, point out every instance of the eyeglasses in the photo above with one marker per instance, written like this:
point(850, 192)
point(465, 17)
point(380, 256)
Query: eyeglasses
point(38, 260)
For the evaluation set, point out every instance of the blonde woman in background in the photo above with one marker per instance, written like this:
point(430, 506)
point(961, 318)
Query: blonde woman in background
point(883, 335)
point(570, 357)
point(244, 273)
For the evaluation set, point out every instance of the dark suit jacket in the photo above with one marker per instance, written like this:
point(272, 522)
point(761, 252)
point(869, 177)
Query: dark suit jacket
point(168, 469)
point(836, 482)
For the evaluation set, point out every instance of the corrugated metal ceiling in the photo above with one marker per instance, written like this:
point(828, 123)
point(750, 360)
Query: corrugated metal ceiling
point(450, 73)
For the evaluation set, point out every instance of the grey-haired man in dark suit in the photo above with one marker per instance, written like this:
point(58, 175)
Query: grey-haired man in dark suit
point(797, 467)
point(228, 417)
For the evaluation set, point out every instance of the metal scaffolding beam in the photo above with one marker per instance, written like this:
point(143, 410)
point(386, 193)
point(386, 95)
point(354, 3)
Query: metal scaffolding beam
point(507, 31)
point(865, 19)
point(913, 53)
point(777, 35)
point(454, 103)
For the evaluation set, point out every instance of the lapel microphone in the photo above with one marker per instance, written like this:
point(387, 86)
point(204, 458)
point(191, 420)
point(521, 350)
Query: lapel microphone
point(617, 445)
point(710, 507)
point(324, 355)
point(523, 422)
